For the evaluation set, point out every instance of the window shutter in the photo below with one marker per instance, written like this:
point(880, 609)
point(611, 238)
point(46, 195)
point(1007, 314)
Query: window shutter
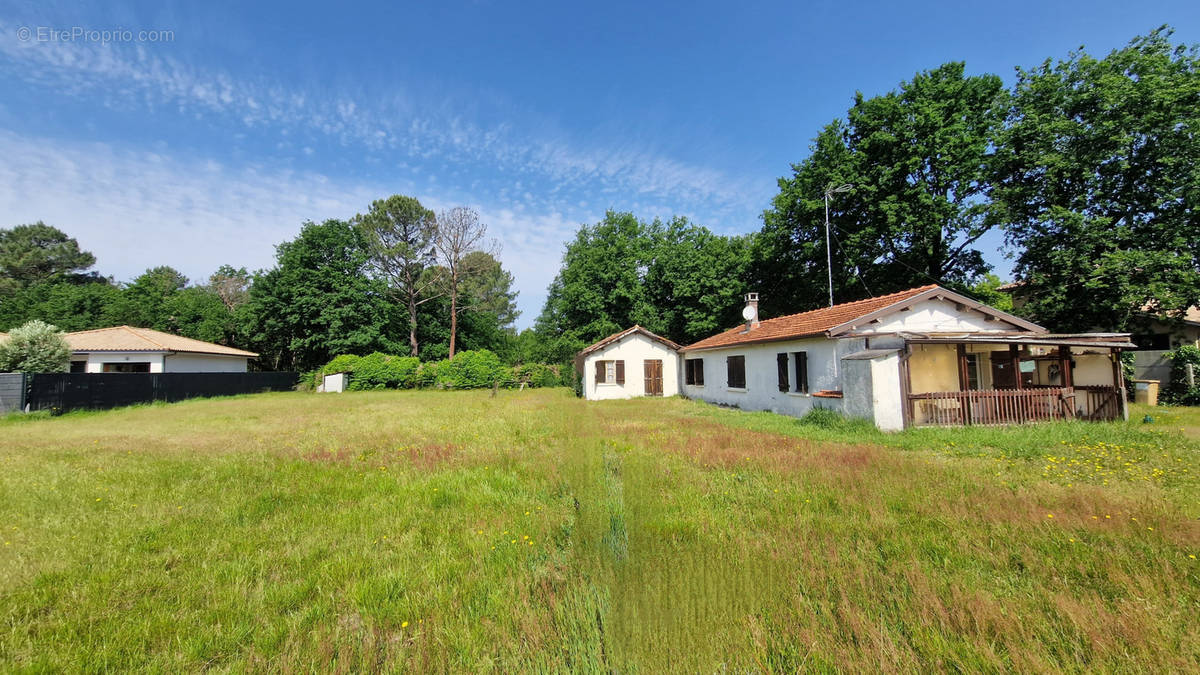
point(781, 366)
point(620, 372)
point(801, 372)
point(699, 371)
point(599, 372)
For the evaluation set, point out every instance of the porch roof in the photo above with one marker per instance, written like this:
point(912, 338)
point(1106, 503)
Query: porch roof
point(1106, 340)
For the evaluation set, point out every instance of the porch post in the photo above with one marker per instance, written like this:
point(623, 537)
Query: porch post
point(1064, 365)
point(964, 384)
point(1014, 355)
point(1119, 382)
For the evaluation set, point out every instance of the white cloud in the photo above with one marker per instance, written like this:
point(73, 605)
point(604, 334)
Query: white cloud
point(136, 210)
point(121, 75)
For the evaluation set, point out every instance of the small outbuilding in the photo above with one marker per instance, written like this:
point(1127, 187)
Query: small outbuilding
point(634, 362)
point(128, 349)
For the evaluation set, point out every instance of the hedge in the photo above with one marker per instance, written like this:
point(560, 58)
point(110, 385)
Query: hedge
point(472, 369)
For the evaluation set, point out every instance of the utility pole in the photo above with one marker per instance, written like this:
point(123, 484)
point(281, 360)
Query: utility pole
point(829, 191)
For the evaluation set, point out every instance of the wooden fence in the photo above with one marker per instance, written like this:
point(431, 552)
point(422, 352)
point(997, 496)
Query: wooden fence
point(1014, 406)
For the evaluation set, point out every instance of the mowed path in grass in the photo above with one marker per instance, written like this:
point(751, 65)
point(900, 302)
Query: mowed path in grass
point(455, 531)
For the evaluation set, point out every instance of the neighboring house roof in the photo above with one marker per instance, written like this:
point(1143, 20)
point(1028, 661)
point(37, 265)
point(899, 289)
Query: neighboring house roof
point(131, 339)
point(617, 337)
point(3, 336)
point(843, 318)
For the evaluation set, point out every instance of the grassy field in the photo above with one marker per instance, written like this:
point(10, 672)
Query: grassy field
point(432, 531)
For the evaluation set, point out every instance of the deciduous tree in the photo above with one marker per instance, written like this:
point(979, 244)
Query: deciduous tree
point(1100, 185)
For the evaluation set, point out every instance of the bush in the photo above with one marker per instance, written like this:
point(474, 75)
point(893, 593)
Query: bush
point(342, 363)
point(427, 373)
point(1178, 391)
point(537, 375)
point(473, 370)
point(35, 347)
point(384, 371)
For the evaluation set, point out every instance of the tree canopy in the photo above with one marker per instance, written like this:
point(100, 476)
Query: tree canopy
point(1100, 185)
point(919, 161)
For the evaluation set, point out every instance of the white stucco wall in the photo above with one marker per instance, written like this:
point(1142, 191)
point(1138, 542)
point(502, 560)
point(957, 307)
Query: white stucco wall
point(936, 316)
point(205, 363)
point(634, 350)
point(762, 379)
point(872, 391)
point(96, 360)
point(168, 363)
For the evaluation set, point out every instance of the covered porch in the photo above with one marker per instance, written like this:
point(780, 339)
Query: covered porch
point(989, 379)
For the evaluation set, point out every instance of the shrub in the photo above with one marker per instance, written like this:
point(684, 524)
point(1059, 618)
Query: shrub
point(35, 347)
point(384, 371)
point(473, 370)
point(537, 375)
point(1178, 391)
point(342, 363)
point(427, 373)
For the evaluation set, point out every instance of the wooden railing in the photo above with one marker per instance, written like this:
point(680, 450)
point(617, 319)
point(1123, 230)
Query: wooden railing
point(1014, 406)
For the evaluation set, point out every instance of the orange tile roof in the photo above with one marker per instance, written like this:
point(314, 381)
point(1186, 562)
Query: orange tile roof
point(805, 324)
point(131, 339)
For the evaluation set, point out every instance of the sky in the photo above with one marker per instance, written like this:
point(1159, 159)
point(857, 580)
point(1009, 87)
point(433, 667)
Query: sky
point(200, 134)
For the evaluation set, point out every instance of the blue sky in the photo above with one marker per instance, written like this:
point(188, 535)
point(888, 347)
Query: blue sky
point(213, 146)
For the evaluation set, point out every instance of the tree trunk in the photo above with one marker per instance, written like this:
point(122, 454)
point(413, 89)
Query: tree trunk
point(453, 311)
point(412, 323)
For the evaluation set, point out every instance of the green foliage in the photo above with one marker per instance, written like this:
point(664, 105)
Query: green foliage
point(1178, 391)
point(317, 301)
point(473, 369)
point(69, 305)
point(919, 159)
point(38, 253)
point(675, 279)
point(538, 375)
point(1099, 170)
point(384, 371)
point(427, 373)
point(35, 347)
point(397, 234)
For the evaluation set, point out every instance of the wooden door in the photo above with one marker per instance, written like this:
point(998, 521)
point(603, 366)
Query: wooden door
point(654, 382)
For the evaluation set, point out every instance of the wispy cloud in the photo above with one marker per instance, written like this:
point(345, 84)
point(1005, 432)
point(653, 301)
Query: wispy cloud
point(135, 210)
point(138, 75)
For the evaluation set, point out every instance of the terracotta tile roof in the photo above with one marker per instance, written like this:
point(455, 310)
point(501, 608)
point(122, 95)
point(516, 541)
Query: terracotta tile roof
point(628, 331)
point(131, 339)
point(805, 324)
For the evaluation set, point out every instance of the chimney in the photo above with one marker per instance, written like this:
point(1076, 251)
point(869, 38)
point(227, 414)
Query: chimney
point(750, 313)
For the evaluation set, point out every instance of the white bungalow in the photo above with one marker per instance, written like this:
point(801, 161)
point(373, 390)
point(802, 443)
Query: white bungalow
point(128, 349)
point(925, 356)
point(652, 363)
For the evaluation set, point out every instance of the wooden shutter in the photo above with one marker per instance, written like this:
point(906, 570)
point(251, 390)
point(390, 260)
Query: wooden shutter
point(735, 375)
point(599, 372)
point(620, 372)
point(801, 371)
point(699, 371)
point(781, 367)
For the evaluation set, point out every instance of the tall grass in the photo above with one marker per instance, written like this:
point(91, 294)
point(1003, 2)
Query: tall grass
point(432, 531)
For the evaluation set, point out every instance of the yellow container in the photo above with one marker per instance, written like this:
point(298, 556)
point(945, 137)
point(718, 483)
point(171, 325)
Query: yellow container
point(1145, 392)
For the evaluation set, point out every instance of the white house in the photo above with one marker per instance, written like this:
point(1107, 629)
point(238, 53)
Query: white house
point(925, 356)
point(634, 362)
point(126, 349)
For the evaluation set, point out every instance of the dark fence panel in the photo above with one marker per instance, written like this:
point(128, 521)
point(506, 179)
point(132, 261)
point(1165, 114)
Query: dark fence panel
point(12, 392)
point(63, 392)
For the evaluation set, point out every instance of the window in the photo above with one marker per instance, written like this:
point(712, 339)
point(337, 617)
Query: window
point(610, 372)
point(736, 372)
point(127, 367)
point(781, 366)
point(973, 372)
point(693, 372)
point(801, 361)
point(79, 366)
